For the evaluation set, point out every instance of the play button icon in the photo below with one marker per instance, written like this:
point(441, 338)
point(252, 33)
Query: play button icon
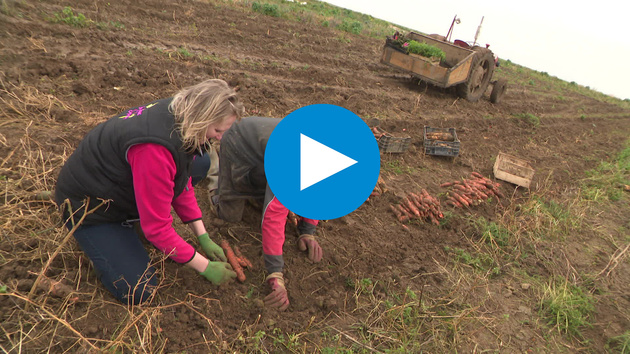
point(322, 161)
point(327, 162)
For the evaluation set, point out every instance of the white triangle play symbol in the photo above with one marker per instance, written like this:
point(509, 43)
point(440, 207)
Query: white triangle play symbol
point(318, 162)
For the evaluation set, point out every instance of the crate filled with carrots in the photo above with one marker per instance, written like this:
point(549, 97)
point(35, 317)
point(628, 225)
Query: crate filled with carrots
point(441, 141)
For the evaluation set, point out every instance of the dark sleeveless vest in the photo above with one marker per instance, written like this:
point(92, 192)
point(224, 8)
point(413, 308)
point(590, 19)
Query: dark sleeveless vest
point(99, 169)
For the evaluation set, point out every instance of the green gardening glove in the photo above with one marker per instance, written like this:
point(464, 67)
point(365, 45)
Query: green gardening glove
point(218, 272)
point(212, 250)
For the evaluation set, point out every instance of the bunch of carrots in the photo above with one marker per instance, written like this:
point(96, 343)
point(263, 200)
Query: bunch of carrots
point(472, 191)
point(414, 206)
point(236, 260)
point(463, 193)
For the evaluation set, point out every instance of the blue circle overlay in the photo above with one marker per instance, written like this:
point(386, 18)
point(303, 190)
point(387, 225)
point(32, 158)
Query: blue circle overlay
point(335, 128)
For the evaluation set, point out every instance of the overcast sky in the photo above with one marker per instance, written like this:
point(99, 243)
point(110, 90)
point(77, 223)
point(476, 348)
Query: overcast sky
point(585, 42)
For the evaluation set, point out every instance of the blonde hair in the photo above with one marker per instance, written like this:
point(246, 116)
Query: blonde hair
point(198, 106)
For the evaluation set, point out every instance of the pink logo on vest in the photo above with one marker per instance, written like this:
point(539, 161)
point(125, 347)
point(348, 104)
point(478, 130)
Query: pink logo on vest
point(137, 111)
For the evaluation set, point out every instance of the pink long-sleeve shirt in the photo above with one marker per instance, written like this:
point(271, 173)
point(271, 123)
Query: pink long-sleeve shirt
point(153, 170)
point(273, 224)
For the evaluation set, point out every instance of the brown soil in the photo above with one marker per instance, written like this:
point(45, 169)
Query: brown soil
point(59, 81)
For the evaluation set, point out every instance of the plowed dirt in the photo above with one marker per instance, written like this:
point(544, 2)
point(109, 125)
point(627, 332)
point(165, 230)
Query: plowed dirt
point(59, 81)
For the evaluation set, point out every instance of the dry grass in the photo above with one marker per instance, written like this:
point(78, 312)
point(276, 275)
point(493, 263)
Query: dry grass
point(32, 234)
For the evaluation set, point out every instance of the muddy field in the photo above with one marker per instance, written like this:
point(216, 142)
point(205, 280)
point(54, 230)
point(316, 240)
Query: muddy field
point(58, 81)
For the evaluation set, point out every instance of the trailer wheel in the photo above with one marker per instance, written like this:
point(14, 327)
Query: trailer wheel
point(481, 71)
point(498, 90)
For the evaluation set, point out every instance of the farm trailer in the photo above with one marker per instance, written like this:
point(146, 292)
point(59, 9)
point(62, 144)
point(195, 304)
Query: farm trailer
point(470, 69)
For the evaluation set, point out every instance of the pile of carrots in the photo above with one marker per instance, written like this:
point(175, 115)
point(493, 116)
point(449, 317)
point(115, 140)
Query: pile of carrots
point(472, 191)
point(236, 260)
point(463, 193)
point(414, 206)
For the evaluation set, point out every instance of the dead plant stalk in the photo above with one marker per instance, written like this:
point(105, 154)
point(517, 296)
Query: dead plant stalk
point(63, 322)
point(58, 250)
point(615, 260)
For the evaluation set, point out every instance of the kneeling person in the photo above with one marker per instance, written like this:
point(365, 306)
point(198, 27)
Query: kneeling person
point(242, 177)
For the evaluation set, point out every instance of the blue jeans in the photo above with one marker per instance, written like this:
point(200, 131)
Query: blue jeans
point(200, 168)
point(120, 260)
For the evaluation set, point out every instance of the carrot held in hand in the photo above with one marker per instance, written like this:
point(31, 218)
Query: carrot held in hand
point(233, 260)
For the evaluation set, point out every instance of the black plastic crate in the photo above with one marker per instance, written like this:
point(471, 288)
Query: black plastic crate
point(441, 147)
point(393, 144)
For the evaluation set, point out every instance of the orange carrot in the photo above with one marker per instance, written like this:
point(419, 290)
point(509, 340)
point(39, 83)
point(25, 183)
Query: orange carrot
point(477, 174)
point(417, 199)
point(412, 206)
point(467, 197)
point(434, 220)
point(401, 214)
point(397, 212)
point(480, 186)
point(461, 199)
point(233, 260)
point(447, 184)
point(242, 259)
point(461, 187)
point(406, 213)
point(454, 203)
point(418, 202)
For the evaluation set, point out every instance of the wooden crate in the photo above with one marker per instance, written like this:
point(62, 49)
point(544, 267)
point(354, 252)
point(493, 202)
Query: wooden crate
point(513, 169)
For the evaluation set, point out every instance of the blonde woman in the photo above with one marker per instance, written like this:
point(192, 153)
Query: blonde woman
point(143, 162)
